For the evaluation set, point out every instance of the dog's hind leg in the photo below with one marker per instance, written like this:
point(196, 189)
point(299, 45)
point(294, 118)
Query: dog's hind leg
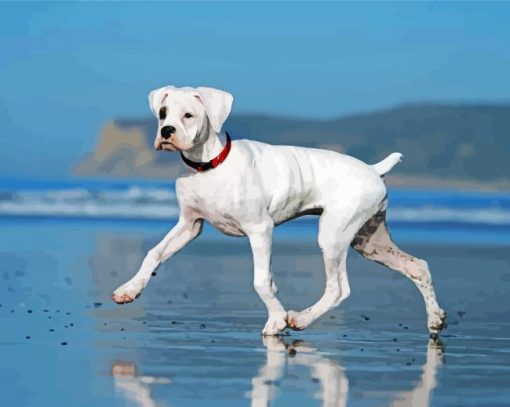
point(374, 242)
point(334, 239)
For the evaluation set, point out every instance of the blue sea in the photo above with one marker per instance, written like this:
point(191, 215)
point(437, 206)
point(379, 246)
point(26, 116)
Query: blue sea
point(481, 217)
point(193, 337)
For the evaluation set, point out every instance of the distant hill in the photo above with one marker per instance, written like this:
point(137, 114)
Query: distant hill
point(443, 145)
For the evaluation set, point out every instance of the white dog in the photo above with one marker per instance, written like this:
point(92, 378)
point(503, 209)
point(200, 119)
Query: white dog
point(246, 188)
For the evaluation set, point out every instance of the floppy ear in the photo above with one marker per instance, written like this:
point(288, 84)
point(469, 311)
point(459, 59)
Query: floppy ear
point(217, 105)
point(155, 98)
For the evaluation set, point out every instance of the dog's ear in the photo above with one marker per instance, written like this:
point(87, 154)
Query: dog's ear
point(156, 97)
point(217, 105)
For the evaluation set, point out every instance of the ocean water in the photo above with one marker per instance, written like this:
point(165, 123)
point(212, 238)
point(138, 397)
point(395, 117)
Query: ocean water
point(193, 337)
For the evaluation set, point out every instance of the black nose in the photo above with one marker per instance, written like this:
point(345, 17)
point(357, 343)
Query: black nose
point(167, 131)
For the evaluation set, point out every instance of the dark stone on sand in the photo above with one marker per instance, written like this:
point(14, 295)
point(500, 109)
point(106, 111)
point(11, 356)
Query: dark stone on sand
point(97, 304)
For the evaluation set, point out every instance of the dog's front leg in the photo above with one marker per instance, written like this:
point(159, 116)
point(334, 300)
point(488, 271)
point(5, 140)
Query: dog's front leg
point(183, 232)
point(261, 236)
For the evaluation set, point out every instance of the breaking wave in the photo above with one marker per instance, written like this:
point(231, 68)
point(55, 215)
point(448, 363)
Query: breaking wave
point(158, 201)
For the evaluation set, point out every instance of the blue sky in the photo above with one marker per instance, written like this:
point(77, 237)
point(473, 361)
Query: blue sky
point(66, 68)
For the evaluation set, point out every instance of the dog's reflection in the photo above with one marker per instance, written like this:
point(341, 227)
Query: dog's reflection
point(134, 387)
point(331, 375)
point(420, 395)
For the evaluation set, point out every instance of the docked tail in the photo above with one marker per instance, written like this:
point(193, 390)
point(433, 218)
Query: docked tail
point(385, 166)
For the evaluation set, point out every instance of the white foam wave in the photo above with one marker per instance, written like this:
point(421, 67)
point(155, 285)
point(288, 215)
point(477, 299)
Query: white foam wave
point(490, 216)
point(160, 203)
point(132, 202)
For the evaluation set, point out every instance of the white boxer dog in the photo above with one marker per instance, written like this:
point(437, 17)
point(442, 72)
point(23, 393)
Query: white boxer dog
point(246, 188)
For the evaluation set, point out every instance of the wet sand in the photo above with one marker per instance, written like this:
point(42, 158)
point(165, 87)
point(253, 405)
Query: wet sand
point(193, 337)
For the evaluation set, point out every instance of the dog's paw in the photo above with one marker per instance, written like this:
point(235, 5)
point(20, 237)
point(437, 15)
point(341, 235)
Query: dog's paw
point(126, 293)
point(296, 321)
point(275, 324)
point(437, 322)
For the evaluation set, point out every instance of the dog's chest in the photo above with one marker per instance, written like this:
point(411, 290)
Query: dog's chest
point(225, 202)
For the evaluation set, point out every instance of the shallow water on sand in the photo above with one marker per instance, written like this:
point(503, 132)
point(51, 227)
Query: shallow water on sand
point(193, 338)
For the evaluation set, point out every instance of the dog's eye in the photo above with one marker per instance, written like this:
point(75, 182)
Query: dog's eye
point(188, 115)
point(162, 113)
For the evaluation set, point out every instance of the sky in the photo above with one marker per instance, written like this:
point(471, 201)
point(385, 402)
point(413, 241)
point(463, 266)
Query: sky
point(67, 68)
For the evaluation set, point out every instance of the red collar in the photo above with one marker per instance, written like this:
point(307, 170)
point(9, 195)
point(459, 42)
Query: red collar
point(201, 167)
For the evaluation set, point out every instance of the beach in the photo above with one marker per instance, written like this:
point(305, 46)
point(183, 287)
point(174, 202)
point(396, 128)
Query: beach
point(193, 337)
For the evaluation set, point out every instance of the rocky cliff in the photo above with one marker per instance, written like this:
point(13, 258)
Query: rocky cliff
point(443, 145)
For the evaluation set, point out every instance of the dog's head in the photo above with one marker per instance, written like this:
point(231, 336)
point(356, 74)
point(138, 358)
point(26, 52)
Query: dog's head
point(185, 115)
